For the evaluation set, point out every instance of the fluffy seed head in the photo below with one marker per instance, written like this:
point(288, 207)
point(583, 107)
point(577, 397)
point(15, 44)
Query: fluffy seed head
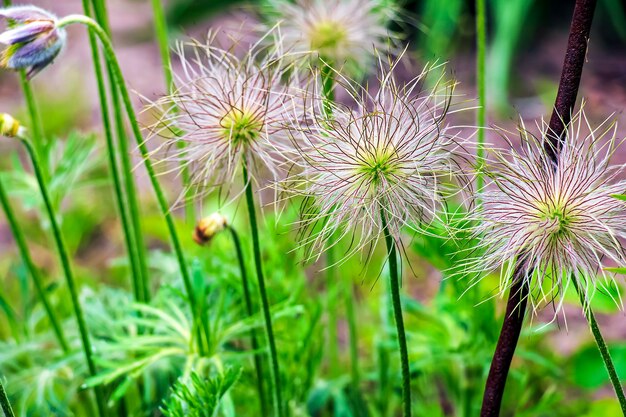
point(32, 40)
point(227, 110)
point(341, 32)
point(562, 216)
point(388, 154)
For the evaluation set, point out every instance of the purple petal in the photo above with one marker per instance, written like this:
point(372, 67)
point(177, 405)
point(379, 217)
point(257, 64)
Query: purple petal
point(37, 54)
point(34, 70)
point(25, 13)
point(26, 33)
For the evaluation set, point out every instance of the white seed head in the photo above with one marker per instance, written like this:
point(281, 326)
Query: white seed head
point(343, 33)
point(226, 110)
point(561, 215)
point(388, 154)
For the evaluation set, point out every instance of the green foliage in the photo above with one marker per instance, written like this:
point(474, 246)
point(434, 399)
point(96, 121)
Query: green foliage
point(199, 397)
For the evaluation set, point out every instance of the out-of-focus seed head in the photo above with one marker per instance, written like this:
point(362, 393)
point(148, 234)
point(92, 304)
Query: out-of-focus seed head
point(32, 39)
point(560, 216)
point(343, 33)
point(392, 152)
point(208, 227)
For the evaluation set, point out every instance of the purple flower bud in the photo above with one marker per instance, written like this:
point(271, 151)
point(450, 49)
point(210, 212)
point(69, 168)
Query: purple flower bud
point(32, 39)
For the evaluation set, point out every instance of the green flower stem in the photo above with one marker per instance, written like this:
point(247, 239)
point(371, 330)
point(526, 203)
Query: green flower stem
point(481, 118)
point(129, 235)
point(162, 201)
point(273, 356)
point(20, 240)
point(394, 281)
point(130, 203)
point(4, 402)
point(354, 340)
point(36, 125)
point(258, 360)
point(38, 136)
point(160, 27)
point(67, 270)
point(604, 351)
point(328, 91)
point(332, 344)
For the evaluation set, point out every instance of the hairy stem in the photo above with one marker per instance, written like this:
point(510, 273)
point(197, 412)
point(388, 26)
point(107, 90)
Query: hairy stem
point(160, 195)
point(481, 119)
point(332, 289)
point(160, 27)
point(394, 287)
point(129, 204)
point(38, 136)
point(354, 339)
point(507, 342)
point(22, 246)
point(571, 74)
point(120, 201)
point(36, 125)
point(604, 351)
point(273, 355)
point(258, 360)
point(4, 402)
point(67, 270)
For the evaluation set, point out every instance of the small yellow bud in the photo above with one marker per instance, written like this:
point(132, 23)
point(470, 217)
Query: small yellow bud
point(9, 126)
point(208, 227)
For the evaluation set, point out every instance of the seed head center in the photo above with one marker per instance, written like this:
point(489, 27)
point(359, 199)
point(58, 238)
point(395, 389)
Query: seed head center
point(558, 219)
point(378, 165)
point(326, 36)
point(241, 127)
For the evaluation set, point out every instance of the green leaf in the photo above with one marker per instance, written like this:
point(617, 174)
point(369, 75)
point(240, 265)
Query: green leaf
point(588, 369)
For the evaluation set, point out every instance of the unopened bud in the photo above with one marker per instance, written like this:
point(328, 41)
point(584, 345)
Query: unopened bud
point(9, 126)
point(33, 40)
point(208, 227)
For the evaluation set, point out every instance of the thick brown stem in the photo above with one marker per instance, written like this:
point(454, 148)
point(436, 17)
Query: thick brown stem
point(561, 116)
point(571, 74)
point(507, 342)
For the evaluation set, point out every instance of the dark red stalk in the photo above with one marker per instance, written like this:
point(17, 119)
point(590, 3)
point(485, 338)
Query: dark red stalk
point(561, 116)
point(571, 74)
point(507, 342)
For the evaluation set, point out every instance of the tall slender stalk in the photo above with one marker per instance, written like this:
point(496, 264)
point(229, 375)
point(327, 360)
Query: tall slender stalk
point(564, 104)
point(481, 113)
point(273, 355)
point(162, 201)
point(130, 203)
point(354, 339)
point(604, 351)
point(258, 361)
point(36, 125)
point(394, 287)
point(5, 403)
point(160, 27)
point(22, 246)
point(67, 270)
point(120, 201)
point(332, 294)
